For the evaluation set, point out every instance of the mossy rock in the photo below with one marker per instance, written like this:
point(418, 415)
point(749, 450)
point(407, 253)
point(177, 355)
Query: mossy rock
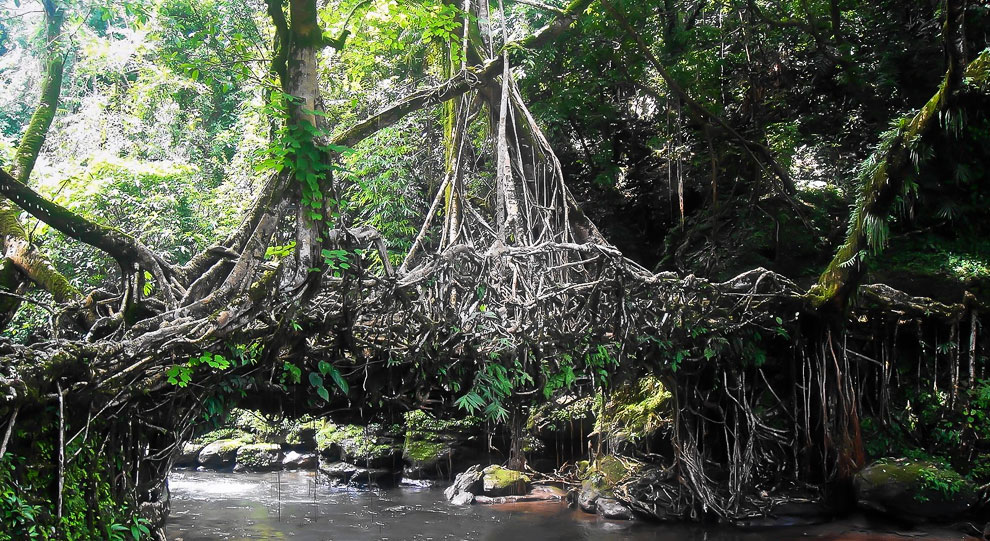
point(221, 453)
point(591, 491)
point(612, 470)
point(426, 458)
point(499, 481)
point(431, 444)
point(357, 445)
point(189, 454)
point(259, 457)
point(634, 414)
point(914, 490)
point(303, 433)
point(222, 434)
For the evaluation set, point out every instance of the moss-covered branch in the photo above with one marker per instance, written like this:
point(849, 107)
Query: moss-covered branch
point(51, 88)
point(17, 247)
point(882, 179)
point(125, 249)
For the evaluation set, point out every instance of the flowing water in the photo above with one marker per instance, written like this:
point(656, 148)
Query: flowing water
point(209, 506)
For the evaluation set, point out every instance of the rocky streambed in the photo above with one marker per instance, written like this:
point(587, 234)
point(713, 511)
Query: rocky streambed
point(207, 506)
point(425, 451)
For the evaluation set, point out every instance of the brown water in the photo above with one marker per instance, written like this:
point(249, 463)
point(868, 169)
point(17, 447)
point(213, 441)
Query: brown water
point(210, 506)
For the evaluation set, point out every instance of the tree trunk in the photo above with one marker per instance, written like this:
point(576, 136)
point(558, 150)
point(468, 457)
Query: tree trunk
point(18, 250)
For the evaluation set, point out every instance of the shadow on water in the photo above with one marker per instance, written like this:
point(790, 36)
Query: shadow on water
point(209, 506)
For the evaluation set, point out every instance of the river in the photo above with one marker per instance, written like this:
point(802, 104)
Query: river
point(208, 506)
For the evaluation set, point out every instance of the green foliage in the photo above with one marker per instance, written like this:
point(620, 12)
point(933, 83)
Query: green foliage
point(946, 482)
point(295, 148)
point(420, 424)
point(181, 374)
point(89, 508)
point(385, 180)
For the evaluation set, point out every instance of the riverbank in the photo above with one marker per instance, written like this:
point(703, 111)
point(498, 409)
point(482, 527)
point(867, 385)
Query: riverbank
point(207, 506)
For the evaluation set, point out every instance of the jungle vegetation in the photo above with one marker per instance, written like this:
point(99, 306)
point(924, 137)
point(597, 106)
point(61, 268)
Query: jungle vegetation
point(773, 211)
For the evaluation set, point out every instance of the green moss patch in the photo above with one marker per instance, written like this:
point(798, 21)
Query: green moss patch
point(356, 444)
point(223, 434)
point(259, 457)
point(634, 412)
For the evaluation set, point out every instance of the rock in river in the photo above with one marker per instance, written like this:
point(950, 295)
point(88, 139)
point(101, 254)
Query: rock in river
point(613, 509)
point(499, 481)
point(220, 454)
point(259, 457)
point(465, 486)
point(299, 461)
point(914, 490)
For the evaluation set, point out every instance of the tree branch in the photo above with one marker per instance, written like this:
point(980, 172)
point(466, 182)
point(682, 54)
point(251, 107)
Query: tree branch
point(125, 249)
point(882, 180)
point(465, 81)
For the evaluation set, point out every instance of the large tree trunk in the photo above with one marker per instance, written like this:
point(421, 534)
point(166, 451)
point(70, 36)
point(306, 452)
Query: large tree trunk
point(18, 250)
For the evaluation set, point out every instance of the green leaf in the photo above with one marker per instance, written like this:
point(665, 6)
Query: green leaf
point(315, 379)
point(470, 402)
point(325, 367)
point(324, 393)
point(339, 380)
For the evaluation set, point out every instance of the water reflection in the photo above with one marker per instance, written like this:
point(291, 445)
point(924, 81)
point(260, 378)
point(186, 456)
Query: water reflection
point(210, 506)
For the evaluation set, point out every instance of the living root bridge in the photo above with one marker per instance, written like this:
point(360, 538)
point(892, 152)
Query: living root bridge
point(468, 311)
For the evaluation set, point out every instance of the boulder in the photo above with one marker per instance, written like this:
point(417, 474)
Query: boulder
point(426, 459)
point(499, 481)
point(189, 454)
point(299, 461)
point(589, 495)
point(340, 472)
point(600, 478)
point(220, 454)
point(259, 457)
point(380, 477)
point(468, 481)
point(462, 498)
point(613, 509)
point(433, 447)
point(914, 491)
point(363, 446)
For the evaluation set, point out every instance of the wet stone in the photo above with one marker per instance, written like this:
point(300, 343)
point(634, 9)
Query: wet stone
point(613, 509)
point(296, 461)
point(467, 481)
point(220, 454)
